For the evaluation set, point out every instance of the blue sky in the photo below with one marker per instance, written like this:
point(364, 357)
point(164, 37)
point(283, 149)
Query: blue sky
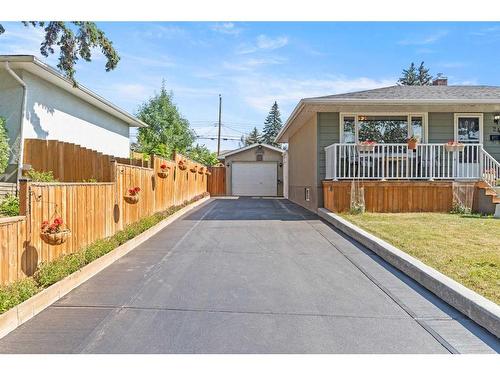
point(254, 63)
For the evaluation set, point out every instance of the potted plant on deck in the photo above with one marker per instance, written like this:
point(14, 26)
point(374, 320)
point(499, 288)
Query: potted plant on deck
point(194, 169)
point(163, 172)
point(412, 143)
point(366, 146)
point(133, 195)
point(182, 165)
point(452, 146)
point(54, 233)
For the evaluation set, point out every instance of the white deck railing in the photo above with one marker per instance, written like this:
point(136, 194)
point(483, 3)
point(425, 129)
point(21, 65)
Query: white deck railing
point(430, 161)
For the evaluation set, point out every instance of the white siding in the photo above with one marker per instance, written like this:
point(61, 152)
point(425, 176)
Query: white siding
point(54, 113)
point(11, 96)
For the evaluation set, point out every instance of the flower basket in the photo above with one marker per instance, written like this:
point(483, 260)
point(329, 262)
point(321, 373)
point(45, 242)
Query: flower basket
point(55, 238)
point(454, 146)
point(163, 172)
point(201, 170)
point(208, 173)
point(54, 233)
point(182, 165)
point(366, 146)
point(133, 195)
point(412, 144)
point(131, 199)
point(194, 169)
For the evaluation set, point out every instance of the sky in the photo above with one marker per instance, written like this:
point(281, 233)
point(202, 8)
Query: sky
point(252, 64)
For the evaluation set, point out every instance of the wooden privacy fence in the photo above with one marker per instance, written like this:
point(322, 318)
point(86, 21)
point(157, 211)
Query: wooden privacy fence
point(217, 181)
point(90, 210)
point(391, 196)
point(70, 162)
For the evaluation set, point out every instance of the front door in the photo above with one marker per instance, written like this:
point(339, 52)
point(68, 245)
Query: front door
point(469, 131)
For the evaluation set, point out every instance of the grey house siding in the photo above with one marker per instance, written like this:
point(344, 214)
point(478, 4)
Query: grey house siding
point(440, 127)
point(489, 127)
point(328, 133)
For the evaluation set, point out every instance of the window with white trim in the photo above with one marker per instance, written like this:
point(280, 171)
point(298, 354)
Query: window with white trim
point(381, 127)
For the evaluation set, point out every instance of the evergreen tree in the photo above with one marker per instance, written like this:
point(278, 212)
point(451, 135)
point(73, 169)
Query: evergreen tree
point(409, 76)
point(424, 78)
point(168, 131)
point(272, 126)
point(252, 138)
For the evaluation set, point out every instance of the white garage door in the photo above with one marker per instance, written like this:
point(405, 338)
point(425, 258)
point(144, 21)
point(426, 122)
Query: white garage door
point(254, 178)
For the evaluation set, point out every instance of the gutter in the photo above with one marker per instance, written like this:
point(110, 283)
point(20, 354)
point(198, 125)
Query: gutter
point(23, 119)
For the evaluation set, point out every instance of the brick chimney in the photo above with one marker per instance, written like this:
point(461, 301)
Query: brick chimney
point(440, 80)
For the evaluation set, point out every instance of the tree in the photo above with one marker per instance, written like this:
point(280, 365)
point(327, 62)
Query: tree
point(252, 138)
point(202, 155)
point(4, 146)
point(415, 77)
point(409, 76)
point(272, 126)
point(168, 131)
point(424, 78)
point(75, 40)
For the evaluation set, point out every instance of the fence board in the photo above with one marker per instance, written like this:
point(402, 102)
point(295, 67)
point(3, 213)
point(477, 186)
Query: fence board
point(217, 181)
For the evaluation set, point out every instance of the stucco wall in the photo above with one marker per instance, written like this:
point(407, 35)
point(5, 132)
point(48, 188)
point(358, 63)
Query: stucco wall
point(268, 155)
point(302, 165)
point(11, 95)
point(56, 114)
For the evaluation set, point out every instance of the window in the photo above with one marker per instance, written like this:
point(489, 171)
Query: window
point(468, 127)
point(382, 128)
point(417, 127)
point(349, 130)
point(259, 157)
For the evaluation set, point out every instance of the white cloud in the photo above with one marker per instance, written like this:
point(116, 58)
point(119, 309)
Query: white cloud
point(161, 61)
point(452, 64)
point(263, 42)
point(253, 63)
point(428, 39)
point(258, 90)
point(226, 28)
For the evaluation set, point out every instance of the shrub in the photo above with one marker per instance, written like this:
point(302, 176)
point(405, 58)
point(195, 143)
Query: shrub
point(37, 176)
point(9, 206)
point(4, 146)
point(17, 292)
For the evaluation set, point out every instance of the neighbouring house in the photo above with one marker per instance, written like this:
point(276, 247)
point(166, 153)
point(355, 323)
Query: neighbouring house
point(38, 102)
point(255, 170)
point(362, 136)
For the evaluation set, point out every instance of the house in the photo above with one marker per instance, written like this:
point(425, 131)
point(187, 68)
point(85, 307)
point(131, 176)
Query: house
point(38, 102)
point(362, 136)
point(255, 170)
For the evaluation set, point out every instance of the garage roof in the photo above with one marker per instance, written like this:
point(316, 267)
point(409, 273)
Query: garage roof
point(237, 151)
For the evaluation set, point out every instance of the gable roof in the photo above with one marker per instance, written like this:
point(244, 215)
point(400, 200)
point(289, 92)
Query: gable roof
point(33, 65)
point(399, 95)
point(237, 151)
point(423, 93)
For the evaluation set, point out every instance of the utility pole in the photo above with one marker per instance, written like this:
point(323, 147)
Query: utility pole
point(218, 137)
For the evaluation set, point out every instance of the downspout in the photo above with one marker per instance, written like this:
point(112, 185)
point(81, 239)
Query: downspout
point(23, 119)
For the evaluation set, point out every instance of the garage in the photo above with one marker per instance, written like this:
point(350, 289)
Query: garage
point(257, 178)
point(255, 170)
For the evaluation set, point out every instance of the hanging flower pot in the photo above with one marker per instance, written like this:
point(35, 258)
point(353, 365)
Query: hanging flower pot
point(182, 165)
point(193, 169)
point(133, 195)
point(201, 170)
point(366, 146)
point(208, 173)
point(453, 146)
point(54, 233)
point(412, 143)
point(163, 172)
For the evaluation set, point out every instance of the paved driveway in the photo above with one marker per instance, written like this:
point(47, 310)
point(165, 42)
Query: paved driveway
point(249, 276)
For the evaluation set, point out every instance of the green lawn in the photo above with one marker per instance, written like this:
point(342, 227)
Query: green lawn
point(465, 248)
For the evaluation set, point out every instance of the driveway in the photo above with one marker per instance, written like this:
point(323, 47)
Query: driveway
point(249, 275)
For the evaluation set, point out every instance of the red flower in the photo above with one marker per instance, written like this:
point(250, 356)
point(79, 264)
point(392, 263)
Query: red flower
point(58, 221)
point(163, 166)
point(137, 189)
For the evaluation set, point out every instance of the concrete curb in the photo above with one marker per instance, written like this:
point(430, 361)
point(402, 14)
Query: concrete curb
point(481, 310)
point(23, 312)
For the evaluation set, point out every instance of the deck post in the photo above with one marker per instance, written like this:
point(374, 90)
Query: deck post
point(432, 163)
point(335, 163)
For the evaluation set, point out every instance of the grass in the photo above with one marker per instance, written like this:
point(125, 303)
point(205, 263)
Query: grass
point(463, 247)
point(51, 272)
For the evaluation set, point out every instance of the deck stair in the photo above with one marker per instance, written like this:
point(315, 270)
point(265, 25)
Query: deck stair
point(491, 194)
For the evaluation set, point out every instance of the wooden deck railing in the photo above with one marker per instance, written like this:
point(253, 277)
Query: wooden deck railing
point(398, 162)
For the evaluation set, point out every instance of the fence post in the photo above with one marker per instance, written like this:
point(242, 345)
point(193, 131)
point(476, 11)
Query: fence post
point(24, 198)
